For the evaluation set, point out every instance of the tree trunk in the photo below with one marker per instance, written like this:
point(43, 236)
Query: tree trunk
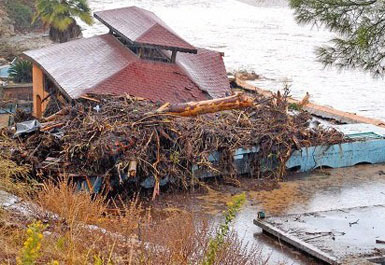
point(72, 32)
point(238, 101)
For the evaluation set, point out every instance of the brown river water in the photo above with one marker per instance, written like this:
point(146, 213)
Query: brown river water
point(323, 190)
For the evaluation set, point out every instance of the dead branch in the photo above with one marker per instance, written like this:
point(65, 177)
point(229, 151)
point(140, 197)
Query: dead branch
point(191, 109)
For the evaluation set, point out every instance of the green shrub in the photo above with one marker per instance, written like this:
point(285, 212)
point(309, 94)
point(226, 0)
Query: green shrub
point(20, 13)
point(21, 71)
point(217, 242)
point(31, 249)
point(295, 106)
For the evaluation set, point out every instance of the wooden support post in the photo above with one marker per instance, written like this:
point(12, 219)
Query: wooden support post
point(173, 56)
point(141, 52)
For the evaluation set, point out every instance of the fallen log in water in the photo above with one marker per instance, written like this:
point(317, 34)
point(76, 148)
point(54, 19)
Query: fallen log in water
point(191, 109)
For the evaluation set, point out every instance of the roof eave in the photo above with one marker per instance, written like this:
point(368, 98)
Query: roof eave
point(49, 75)
point(141, 44)
point(165, 47)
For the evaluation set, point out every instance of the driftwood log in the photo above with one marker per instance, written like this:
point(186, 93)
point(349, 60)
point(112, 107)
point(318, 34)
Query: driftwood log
point(190, 109)
point(57, 115)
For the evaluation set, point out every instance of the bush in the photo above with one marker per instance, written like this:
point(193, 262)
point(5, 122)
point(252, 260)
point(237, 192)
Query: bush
point(31, 249)
point(21, 71)
point(20, 13)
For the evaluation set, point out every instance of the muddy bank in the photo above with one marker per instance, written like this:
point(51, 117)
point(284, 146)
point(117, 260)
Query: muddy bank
point(13, 46)
point(17, 33)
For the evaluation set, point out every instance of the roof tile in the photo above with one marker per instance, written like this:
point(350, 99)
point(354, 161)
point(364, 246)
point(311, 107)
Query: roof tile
point(102, 64)
point(143, 27)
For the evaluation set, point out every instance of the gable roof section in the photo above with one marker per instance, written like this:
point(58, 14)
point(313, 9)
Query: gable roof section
point(102, 65)
point(143, 27)
point(207, 70)
point(81, 64)
point(158, 81)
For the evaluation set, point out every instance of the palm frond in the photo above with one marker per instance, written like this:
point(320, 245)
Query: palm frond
point(60, 14)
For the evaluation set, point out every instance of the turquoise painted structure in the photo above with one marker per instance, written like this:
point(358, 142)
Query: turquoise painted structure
point(367, 148)
point(370, 148)
point(4, 71)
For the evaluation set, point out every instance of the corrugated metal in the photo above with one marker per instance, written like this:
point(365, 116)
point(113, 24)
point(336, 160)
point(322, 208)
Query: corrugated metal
point(142, 26)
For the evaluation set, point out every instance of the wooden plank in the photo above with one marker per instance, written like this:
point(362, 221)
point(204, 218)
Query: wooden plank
point(21, 85)
point(295, 242)
point(173, 56)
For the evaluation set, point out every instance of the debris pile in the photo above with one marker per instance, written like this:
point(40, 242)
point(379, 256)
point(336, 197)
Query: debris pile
point(123, 139)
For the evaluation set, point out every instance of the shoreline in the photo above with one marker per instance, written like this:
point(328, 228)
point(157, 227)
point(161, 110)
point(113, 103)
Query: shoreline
point(318, 110)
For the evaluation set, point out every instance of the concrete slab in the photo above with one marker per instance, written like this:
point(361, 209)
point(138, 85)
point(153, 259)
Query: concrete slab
point(358, 128)
point(335, 236)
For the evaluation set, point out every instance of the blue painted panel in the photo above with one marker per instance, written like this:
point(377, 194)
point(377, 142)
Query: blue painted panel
point(4, 71)
point(96, 182)
point(369, 149)
point(339, 155)
point(364, 135)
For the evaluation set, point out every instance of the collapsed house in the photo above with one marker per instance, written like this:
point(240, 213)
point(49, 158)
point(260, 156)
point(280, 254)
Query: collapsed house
point(140, 56)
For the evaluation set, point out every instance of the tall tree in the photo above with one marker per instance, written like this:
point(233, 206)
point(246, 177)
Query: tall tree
point(359, 26)
point(59, 16)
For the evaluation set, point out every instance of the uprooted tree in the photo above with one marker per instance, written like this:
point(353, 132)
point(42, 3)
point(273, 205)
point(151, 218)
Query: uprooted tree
point(59, 16)
point(359, 25)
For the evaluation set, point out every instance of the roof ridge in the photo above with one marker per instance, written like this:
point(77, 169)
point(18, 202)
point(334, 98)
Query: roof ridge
point(124, 67)
point(176, 35)
point(108, 77)
point(192, 74)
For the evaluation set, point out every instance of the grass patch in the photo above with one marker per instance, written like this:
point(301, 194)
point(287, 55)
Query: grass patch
point(125, 236)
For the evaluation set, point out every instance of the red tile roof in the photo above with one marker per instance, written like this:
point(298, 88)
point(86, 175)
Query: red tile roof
point(103, 65)
point(143, 27)
point(81, 64)
point(207, 70)
point(157, 81)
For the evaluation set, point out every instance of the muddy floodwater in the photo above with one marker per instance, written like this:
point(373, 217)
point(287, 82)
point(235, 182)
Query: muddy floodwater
point(262, 36)
point(320, 191)
point(323, 190)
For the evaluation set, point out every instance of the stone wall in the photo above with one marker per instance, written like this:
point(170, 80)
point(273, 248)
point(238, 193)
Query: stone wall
point(18, 92)
point(7, 28)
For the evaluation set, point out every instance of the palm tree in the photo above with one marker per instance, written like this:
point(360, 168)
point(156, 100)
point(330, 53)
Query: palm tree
point(59, 16)
point(21, 71)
